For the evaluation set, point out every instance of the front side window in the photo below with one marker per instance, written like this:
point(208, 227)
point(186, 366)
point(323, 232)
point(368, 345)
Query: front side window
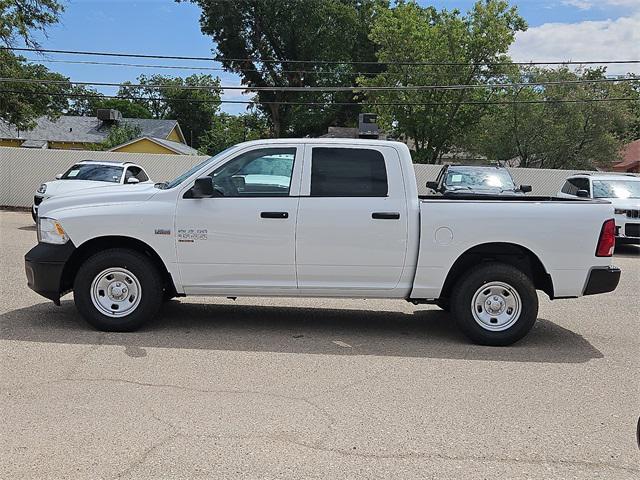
point(616, 189)
point(265, 172)
point(572, 185)
point(97, 173)
point(135, 172)
point(348, 172)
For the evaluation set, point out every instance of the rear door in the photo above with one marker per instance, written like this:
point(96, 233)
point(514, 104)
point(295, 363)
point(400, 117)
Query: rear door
point(352, 220)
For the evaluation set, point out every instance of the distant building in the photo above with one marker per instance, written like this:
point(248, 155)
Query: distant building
point(630, 158)
point(81, 133)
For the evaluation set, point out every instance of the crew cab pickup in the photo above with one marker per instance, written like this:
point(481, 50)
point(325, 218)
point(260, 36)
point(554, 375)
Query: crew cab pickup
point(319, 218)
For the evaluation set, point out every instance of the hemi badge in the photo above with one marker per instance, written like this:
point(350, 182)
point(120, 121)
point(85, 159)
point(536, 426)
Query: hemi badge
point(162, 231)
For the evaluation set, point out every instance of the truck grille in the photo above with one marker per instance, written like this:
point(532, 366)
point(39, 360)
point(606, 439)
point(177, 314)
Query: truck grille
point(633, 213)
point(37, 200)
point(632, 230)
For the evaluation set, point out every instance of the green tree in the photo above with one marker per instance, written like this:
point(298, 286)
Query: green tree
point(88, 106)
point(119, 134)
point(21, 103)
point(192, 101)
point(433, 119)
point(264, 42)
point(556, 134)
point(228, 130)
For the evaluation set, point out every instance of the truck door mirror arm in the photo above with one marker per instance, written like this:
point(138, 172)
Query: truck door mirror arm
point(202, 188)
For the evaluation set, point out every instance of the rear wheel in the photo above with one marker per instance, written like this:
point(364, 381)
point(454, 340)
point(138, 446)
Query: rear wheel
point(495, 304)
point(118, 290)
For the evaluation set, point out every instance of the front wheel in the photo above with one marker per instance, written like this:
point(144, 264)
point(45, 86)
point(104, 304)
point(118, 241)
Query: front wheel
point(495, 304)
point(118, 290)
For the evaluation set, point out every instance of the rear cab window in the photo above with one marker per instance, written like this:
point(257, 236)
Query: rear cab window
point(348, 172)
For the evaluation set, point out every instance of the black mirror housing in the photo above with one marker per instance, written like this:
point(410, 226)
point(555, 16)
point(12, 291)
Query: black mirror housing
point(202, 188)
point(582, 193)
point(525, 188)
point(433, 186)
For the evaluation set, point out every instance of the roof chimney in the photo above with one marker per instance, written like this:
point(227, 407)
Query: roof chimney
point(109, 115)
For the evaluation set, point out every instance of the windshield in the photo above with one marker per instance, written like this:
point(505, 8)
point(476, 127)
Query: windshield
point(182, 177)
point(97, 173)
point(616, 189)
point(475, 178)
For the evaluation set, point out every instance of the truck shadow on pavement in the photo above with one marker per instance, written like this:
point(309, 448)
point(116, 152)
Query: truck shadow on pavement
point(235, 327)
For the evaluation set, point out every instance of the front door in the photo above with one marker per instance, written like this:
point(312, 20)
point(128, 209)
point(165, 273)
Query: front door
point(242, 239)
point(352, 220)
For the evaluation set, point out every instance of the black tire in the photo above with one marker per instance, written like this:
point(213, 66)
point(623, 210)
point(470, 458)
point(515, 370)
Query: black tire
point(472, 282)
point(138, 264)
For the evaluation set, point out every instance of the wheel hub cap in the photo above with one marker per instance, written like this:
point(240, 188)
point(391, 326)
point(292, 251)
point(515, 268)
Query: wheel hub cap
point(116, 292)
point(496, 306)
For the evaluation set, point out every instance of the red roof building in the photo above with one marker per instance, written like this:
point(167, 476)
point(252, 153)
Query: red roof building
point(630, 158)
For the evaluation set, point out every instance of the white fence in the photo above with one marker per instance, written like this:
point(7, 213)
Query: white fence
point(22, 170)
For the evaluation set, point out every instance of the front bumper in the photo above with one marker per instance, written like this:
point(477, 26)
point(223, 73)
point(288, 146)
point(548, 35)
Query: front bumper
point(602, 280)
point(44, 265)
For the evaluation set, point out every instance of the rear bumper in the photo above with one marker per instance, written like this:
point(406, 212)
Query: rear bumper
point(44, 265)
point(602, 280)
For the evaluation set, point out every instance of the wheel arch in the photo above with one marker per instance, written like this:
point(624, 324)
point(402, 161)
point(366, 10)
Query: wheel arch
point(510, 253)
point(88, 248)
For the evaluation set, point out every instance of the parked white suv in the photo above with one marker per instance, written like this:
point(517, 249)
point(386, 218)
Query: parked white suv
point(622, 190)
point(89, 174)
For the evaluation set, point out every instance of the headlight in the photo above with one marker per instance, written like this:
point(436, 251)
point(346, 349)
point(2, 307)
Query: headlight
point(619, 211)
point(50, 231)
point(42, 188)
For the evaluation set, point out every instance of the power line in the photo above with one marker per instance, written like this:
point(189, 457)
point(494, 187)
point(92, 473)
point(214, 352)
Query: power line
point(248, 102)
point(318, 62)
point(193, 67)
point(316, 89)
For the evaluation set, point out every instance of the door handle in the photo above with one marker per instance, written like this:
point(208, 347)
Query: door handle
point(274, 214)
point(385, 215)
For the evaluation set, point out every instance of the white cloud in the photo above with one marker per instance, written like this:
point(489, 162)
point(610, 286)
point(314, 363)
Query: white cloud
point(581, 4)
point(588, 4)
point(617, 39)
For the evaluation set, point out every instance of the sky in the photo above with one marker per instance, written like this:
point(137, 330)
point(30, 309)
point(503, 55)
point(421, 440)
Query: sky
point(558, 30)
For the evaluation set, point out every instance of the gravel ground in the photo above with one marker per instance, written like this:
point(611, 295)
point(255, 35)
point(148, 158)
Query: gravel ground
point(327, 389)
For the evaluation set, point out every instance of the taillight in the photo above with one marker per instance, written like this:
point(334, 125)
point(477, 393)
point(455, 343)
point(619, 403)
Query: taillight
point(607, 240)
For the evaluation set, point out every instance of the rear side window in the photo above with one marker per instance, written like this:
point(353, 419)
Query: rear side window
point(348, 172)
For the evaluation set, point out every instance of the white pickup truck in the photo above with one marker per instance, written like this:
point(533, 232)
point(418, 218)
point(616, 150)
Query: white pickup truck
point(319, 218)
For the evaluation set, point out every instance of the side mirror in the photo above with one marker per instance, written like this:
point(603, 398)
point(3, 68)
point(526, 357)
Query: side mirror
point(433, 186)
point(132, 180)
point(582, 193)
point(58, 176)
point(525, 188)
point(202, 188)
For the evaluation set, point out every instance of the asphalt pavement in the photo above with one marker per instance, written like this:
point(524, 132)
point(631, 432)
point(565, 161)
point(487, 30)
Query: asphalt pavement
point(322, 389)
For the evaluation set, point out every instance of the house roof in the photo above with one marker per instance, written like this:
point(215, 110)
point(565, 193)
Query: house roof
point(630, 156)
point(69, 128)
point(177, 147)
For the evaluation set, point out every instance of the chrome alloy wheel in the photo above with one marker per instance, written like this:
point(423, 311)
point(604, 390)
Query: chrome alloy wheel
point(496, 306)
point(116, 292)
